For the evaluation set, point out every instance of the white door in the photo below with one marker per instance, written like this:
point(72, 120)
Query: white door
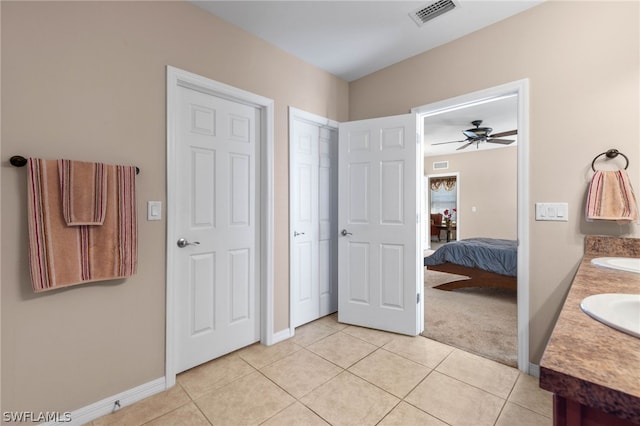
point(304, 164)
point(216, 284)
point(313, 236)
point(380, 267)
point(328, 220)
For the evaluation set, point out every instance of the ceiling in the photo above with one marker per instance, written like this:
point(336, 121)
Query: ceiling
point(501, 114)
point(351, 39)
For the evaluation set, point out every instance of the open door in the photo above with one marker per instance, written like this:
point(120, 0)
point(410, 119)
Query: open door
point(380, 272)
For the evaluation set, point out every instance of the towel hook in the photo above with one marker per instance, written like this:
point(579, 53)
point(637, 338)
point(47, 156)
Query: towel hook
point(612, 153)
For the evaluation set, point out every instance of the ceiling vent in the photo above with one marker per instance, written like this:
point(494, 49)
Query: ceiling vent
point(440, 165)
point(432, 10)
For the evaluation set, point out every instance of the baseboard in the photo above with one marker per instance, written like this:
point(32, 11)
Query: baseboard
point(534, 370)
point(281, 335)
point(106, 406)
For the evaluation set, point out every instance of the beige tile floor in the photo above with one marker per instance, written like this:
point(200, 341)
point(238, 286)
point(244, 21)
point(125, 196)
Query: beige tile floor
point(331, 373)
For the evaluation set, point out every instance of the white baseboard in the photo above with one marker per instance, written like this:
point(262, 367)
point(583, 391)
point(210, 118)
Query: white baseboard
point(106, 406)
point(534, 370)
point(281, 335)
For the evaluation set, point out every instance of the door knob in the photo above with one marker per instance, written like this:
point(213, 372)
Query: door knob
point(345, 233)
point(296, 233)
point(182, 243)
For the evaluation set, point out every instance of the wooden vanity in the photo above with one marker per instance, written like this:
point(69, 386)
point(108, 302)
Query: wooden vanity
point(592, 369)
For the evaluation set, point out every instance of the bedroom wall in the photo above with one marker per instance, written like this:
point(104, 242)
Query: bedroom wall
point(86, 81)
point(582, 62)
point(488, 182)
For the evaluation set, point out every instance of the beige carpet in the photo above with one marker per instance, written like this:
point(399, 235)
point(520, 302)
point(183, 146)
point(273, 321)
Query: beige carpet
point(479, 320)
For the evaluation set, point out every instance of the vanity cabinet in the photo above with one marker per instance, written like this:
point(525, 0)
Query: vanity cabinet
point(567, 412)
point(592, 369)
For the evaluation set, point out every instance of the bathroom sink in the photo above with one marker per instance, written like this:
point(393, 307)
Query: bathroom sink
point(620, 311)
point(629, 264)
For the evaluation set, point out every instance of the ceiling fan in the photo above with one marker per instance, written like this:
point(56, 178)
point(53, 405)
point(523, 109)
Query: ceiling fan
point(482, 134)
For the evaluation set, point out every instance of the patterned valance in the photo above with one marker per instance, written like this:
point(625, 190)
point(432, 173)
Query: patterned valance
point(448, 183)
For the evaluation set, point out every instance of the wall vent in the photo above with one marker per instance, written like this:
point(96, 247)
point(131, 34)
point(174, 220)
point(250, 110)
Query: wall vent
point(432, 10)
point(440, 165)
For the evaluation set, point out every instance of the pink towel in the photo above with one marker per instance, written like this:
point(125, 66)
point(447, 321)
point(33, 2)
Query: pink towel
point(61, 255)
point(611, 197)
point(83, 188)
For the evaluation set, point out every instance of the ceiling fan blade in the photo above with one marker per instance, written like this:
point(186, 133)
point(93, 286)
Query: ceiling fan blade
point(444, 143)
point(465, 146)
point(507, 133)
point(501, 141)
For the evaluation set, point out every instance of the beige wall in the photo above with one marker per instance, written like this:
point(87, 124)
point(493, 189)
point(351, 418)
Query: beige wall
point(487, 181)
point(86, 81)
point(582, 61)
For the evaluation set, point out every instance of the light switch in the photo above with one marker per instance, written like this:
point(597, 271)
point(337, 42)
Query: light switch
point(557, 212)
point(154, 210)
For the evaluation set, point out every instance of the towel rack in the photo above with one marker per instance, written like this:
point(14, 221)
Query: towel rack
point(20, 161)
point(611, 153)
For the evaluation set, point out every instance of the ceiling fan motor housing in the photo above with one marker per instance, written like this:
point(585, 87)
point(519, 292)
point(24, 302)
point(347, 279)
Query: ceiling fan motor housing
point(478, 132)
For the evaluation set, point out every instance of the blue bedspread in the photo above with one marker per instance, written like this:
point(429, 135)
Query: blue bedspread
point(489, 254)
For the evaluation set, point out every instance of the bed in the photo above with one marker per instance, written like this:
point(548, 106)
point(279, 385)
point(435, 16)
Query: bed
point(487, 262)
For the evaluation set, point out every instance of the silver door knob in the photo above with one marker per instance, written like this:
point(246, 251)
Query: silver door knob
point(345, 233)
point(296, 233)
point(182, 243)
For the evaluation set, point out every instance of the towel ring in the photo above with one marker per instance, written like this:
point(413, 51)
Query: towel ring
point(612, 153)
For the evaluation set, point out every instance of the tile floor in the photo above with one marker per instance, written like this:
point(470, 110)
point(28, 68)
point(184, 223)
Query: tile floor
point(331, 373)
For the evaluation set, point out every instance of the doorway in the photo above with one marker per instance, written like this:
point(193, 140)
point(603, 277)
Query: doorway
point(521, 90)
point(313, 213)
point(443, 196)
point(249, 117)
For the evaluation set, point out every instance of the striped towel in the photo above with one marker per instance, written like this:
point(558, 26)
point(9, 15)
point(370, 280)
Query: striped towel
point(611, 197)
point(61, 255)
point(83, 188)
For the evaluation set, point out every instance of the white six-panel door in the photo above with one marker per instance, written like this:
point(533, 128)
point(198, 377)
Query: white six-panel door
point(328, 220)
point(313, 239)
point(304, 163)
point(217, 296)
point(380, 267)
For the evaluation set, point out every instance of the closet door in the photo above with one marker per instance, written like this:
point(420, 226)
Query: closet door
point(313, 196)
point(328, 220)
point(304, 238)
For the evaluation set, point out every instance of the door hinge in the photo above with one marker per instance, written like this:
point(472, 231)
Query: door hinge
point(418, 298)
point(417, 138)
point(418, 218)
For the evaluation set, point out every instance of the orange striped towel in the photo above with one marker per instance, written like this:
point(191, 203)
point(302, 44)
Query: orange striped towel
point(611, 197)
point(61, 255)
point(83, 188)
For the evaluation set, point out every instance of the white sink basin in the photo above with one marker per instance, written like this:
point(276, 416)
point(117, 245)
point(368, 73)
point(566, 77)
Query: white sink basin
point(629, 264)
point(620, 311)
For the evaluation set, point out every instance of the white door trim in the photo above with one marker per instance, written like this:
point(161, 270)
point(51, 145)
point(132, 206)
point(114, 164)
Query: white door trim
point(521, 88)
point(304, 116)
point(180, 78)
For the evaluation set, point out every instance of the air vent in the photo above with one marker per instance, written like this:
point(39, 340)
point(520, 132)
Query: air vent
point(432, 10)
point(440, 165)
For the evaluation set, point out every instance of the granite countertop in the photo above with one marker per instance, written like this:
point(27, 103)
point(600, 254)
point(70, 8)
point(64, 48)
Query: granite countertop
point(585, 360)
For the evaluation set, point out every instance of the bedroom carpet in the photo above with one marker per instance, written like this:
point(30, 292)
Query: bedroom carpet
point(478, 320)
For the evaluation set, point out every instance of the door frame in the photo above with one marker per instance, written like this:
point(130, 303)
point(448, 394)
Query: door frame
point(428, 199)
point(179, 78)
point(316, 120)
point(520, 88)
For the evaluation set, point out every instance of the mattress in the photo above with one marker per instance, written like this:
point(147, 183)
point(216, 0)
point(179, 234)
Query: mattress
point(489, 254)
